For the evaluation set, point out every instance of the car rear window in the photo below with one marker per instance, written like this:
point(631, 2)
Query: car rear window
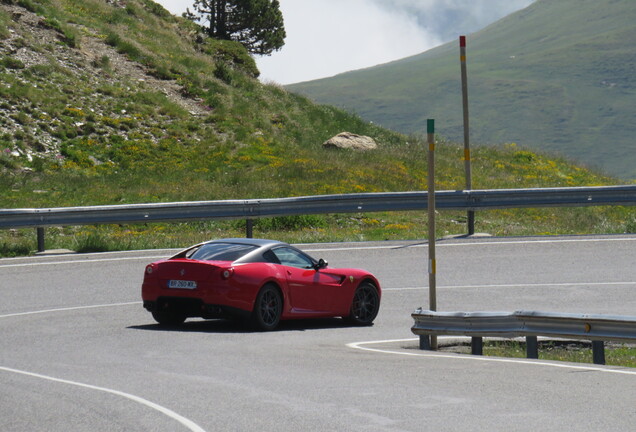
point(221, 252)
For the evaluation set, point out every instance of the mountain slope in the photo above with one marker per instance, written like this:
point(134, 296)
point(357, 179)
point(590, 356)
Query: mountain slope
point(559, 76)
point(106, 101)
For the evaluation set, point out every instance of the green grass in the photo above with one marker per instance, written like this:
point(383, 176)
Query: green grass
point(616, 354)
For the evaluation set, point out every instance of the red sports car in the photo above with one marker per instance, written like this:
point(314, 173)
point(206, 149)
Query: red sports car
point(264, 281)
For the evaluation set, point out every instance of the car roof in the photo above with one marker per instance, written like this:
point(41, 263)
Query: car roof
point(249, 241)
point(259, 244)
point(251, 256)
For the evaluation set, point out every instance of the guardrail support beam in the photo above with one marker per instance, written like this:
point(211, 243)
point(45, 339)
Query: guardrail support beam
point(477, 346)
point(528, 324)
point(598, 352)
point(532, 347)
point(425, 342)
point(249, 228)
point(40, 234)
point(322, 204)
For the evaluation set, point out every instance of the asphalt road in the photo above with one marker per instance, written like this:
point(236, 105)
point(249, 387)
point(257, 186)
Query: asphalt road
point(79, 353)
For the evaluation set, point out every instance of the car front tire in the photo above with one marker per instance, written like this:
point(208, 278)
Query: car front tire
point(365, 305)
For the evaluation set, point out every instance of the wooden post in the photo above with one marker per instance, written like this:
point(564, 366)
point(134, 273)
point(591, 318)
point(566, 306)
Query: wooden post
point(432, 265)
point(467, 167)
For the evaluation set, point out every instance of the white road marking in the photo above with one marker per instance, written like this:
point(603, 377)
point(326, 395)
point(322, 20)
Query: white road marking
point(542, 285)
point(168, 252)
point(184, 421)
point(163, 410)
point(84, 261)
point(466, 357)
point(68, 309)
point(442, 244)
point(308, 248)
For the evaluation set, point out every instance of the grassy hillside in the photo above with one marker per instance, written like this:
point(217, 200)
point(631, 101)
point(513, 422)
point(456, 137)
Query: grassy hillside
point(558, 76)
point(115, 102)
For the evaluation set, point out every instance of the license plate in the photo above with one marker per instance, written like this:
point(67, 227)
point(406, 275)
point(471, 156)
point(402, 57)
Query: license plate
point(182, 284)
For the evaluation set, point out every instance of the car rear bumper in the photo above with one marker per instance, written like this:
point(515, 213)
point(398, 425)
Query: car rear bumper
point(193, 307)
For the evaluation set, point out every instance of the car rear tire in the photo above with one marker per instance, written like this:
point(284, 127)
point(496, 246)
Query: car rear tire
point(169, 318)
point(268, 308)
point(365, 305)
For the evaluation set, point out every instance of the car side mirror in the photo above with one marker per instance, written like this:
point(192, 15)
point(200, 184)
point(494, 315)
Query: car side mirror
point(321, 264)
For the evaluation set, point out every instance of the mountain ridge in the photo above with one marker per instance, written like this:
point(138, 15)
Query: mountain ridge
point(555, 76)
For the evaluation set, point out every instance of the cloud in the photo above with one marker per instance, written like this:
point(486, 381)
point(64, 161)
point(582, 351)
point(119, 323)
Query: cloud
point(450, 18)
point(327, 37)
point(177, 7)
point(331, 36)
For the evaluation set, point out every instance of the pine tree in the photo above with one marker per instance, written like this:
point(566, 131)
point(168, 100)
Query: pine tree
point(257, 24)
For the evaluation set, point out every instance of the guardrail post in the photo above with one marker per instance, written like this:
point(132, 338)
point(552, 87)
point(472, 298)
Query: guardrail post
point(425, 342)
point(598, 352)
point(477, 346)
point(40, 235)
point(249, 228)
point(528, 324)
point(532, 347)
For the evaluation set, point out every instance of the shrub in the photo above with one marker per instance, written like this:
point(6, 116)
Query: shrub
point(113, 39)
point(223, 72)
point(92, 242)
point(131, 10)
point(123, 46)
point(12, 63)
point(156, 9)
point(7, 161)
point(4, 30)
point(296, 222)
point(231, 53)
point(30, 6)
point(41, 70)
point(103, 63)
point(13, 250)
point(68, 36)
point(630, 226)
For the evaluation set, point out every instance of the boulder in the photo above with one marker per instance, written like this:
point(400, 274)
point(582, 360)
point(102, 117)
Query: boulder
point(348, 140)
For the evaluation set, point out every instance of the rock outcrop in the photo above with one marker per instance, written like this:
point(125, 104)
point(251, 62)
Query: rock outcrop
point(348, 140)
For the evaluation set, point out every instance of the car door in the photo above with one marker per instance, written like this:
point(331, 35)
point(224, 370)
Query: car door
point(310, 290)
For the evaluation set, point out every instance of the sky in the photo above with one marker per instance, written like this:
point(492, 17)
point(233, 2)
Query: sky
point(328, 37)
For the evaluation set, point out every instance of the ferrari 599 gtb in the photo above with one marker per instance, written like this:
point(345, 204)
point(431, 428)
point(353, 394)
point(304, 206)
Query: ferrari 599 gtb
point(263, 281)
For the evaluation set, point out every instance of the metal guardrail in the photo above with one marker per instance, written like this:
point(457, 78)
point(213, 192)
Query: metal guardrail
point(348, 203)
point(528, 324)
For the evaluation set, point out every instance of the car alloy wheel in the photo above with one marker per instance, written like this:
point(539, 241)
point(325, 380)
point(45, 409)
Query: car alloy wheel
point(268, 308)
point(365, 304)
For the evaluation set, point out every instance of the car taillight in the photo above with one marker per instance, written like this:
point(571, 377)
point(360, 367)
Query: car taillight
point(149, 269)
point(227, 273)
